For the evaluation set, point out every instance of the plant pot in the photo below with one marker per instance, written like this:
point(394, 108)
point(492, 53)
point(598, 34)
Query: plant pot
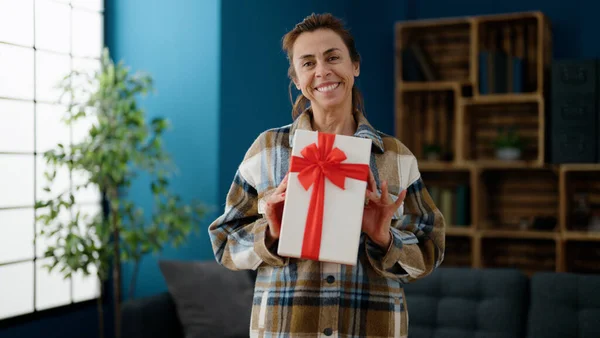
point(508, 154)
point(432, 156)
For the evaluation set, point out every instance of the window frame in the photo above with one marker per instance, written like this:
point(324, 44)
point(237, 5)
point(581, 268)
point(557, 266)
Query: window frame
point(35, 155)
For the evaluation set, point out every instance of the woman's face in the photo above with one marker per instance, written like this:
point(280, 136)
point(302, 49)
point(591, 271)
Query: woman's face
point(324, 71)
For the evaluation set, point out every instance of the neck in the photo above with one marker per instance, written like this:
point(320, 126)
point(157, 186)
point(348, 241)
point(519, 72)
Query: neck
point(335, 121)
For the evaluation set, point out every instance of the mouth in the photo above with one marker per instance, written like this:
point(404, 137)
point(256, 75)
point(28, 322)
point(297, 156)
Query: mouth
point(327, 87)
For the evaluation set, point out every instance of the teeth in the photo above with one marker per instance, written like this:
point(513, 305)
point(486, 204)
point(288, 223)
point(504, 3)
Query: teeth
point(328, 88)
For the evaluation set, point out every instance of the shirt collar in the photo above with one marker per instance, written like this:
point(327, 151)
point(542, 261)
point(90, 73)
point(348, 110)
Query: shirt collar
point(363, 130)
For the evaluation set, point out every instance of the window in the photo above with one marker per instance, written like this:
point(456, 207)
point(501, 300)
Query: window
point(40, 42)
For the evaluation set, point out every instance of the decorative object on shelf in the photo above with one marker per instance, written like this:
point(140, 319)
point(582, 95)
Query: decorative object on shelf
point(508, 144)
point(581, 211)
point(524, 223)
point(118, 147)
point(594, 224)
point(432, 151)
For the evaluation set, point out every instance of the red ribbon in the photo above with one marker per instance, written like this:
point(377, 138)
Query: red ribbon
point(320, 162)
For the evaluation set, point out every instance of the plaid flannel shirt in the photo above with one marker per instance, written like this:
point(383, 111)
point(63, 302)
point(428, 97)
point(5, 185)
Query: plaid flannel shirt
point(304, 298)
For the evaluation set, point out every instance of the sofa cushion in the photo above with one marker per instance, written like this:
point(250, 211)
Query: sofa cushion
point(564, 305)
point(211, 300)
point(464, 302)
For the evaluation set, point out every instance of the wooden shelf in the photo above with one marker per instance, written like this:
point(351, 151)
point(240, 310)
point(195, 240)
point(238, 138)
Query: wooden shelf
point(498, 164)
point(580, 167)
point(580, 186)
point(454, 230)
point(516, 214)
point(512, 199)
point(582, 256)
point(503, 98)
point(483, 122)
point(459, 251)
point(511, 53)
point(530, 255)
point(443, 166)
point(519, 234)
point(409, 86)
point(582, 236)
point(480, 165)
point(428, 120)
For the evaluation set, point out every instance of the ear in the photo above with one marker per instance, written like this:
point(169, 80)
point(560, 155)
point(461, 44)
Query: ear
point(356, 69)
point(296, 83)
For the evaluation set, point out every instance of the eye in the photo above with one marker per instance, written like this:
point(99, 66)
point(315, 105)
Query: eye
point(307, 64)
point(333, 58)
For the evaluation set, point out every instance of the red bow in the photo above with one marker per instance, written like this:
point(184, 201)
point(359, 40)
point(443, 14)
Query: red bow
point(320, 162)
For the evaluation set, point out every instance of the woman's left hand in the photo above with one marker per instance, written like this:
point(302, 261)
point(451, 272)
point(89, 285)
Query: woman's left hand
point(378, 213)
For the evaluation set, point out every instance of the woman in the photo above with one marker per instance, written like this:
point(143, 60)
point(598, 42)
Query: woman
point(403, 231)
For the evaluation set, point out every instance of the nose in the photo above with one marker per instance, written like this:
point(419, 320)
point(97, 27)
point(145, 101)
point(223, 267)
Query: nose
point(322, 69)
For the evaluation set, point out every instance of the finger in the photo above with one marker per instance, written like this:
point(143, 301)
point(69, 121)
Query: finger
point(373, 197)
point(272, 202)
point(275, 198)
point(372, 185)
point(282, 186)
point(385, 197)
point(279, 198)
point(401, 198)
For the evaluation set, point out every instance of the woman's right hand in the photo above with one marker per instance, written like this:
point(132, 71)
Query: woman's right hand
point(274, 210)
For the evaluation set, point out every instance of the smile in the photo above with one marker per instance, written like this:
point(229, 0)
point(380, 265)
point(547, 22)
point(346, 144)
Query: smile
point(328, 88)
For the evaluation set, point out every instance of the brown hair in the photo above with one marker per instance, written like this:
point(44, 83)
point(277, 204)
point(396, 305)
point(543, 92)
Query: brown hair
point(312, 23)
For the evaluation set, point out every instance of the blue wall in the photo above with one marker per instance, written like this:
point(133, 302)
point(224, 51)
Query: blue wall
point(254, 82)
point(373, 30)
point(178, 43)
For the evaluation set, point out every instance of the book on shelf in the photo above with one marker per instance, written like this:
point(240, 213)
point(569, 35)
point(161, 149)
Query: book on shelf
point(417, 65)
point(453, 203)
point(502, 60)
point(500, 73)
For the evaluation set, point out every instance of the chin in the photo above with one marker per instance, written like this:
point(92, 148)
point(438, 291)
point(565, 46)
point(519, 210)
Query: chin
point(331, 103)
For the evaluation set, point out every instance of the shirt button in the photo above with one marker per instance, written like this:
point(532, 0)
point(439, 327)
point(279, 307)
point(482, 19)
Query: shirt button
point(328, 331)
point(330, 279)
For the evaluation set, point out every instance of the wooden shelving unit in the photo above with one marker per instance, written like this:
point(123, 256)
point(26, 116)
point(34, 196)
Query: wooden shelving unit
point(459, 81)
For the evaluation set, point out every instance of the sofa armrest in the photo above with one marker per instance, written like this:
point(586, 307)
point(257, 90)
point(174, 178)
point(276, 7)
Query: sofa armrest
point(151, 317)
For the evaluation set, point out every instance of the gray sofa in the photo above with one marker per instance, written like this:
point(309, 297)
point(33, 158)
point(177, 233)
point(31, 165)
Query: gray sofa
point(452, 302)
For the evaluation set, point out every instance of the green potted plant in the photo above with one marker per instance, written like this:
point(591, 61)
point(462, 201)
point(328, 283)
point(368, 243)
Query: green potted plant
point(119, 146)
point(508, 144)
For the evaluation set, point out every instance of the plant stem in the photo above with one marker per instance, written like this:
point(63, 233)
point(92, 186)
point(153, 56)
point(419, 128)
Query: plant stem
point(133, 281)
point(100, 312)
point(116, 273)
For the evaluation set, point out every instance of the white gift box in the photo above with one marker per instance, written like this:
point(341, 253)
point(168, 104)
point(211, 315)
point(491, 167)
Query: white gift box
point(342, 208)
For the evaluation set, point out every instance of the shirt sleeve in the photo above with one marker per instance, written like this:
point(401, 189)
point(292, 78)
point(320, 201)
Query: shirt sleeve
point(238, 236)
point(418, 237)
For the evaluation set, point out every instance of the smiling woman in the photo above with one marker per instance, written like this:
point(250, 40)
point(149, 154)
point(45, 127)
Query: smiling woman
point(403, 232)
